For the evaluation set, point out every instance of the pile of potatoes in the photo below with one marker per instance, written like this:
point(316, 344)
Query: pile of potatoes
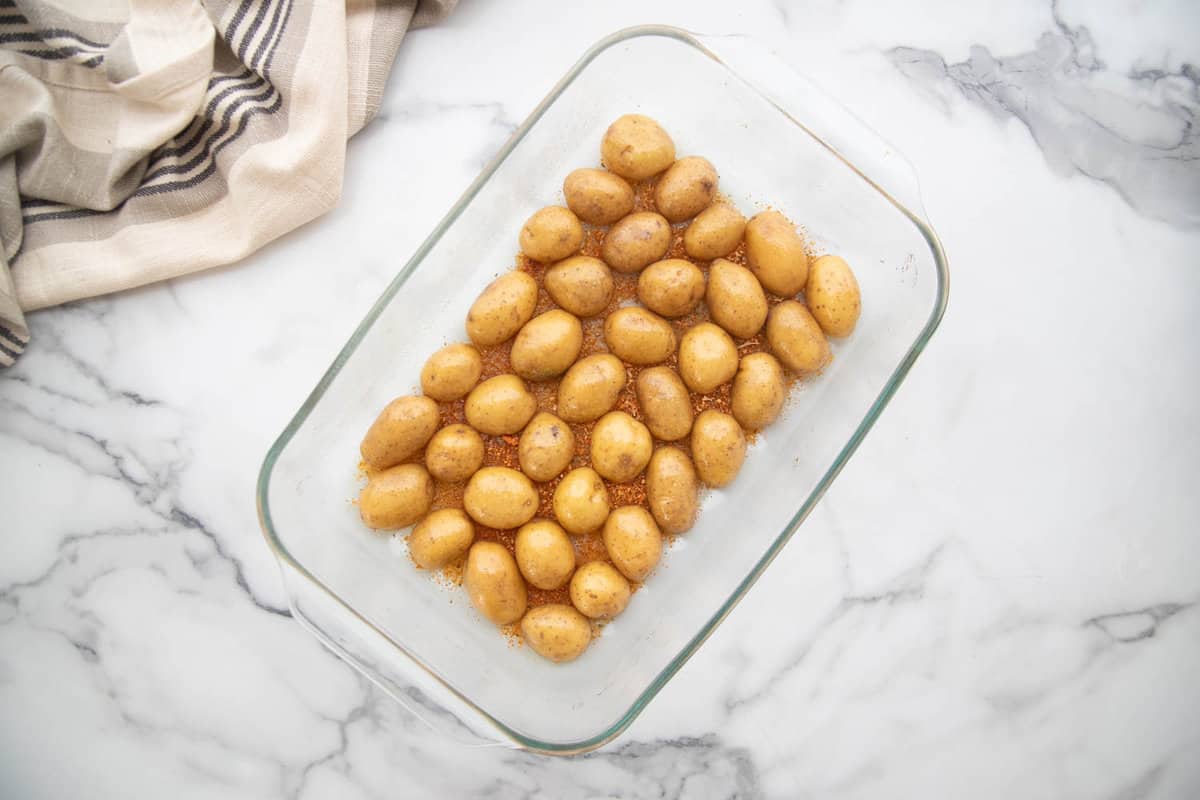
point(407, 448)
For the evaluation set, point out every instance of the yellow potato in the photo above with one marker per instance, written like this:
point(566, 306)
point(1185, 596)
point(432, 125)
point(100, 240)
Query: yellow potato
point(451, 372)
point(776, 253)
point(621, 447)
point(499, 497)
point(500, 405)
point(545, 554)
point(714, 233)
point(639, 336)
point(637, 240)
point(672, 490)
point(735, 299)
point(582, 285)
point(454, 453)
point(441, 538)
point(396, 497)
point(546, 447)
point(556, 632)
point(494, 584)
point(796, 339)
point(597, 197)
point(590, 388)
point(718, 448)
point(686, 188)
point(547, 345)
point(833, 296)
point(758, 391)
point(665, 403)
point(633, 541)
point(400, 431)
point(707, 358)
point(599, 591)
point(551, 234)
point(581, 501)
point(503, 307)
point(636, 147)
point(671, 287)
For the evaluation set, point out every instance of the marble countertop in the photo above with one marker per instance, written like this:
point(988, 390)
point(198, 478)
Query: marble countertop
point(999, 594)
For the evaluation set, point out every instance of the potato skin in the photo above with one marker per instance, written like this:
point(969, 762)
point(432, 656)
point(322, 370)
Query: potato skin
point(494, 584)
point(499, 497)
point(686, 188)
point(707, 358)
point(714, 233)
point(672, 490)
point(590, 387)
point(500, 405)
point(581, 501)
point(597, 197)
point(396, 497)
point(635, 241)
point(546, 447)
point(547, 345)
point(551, 234)
point(833, 296)
point(454, 453)
point(620, 447)
point(671, 288)
point(758, 391)
point(796, 339)
point(545, 554)
point(502, 309)
point(556, 632)
point(599, 591)
point(718, 448)
point(582, 285)
point(636, 147)
point(639, 336)
point(442, 537)
point(633, 541)
point(665, 403)
point(735, 299)
point(775, 253)
point(451, 372)
point(400, 431)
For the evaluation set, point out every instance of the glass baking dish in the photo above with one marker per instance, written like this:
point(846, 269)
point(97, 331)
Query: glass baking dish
point(775, 139)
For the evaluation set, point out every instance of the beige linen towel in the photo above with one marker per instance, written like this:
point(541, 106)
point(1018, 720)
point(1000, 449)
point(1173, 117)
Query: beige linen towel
point(145, 139)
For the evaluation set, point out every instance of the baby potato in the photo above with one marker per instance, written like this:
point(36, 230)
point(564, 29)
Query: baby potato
point(686, 188)
point(451, 372)
point(494, 584)
point(396, 497)
point(672, 490)
point(621, 447)
point(454, 453)
point(597, 196)
point(400, 430)
point(545, 554)
point(776, 253)
point(599, 591)
point(637, 240)
point(546, 447)
point(639, 336)
point(551, 234)
point(718, 447)
point(581, 501)
point(636, 147)
point(499, 497)
point(758, 391)
point(582, 285)
point(833, 296)
point(556, 632)
point(503, 307)
point(441, 538)
point(665, 403)
point(796, 339)
point(590, 388)
point(671, 287)
point(500, 405)
point(547, 345)
point(714, 233)
point(707, 358)
point(633, 541)
point(735, 299)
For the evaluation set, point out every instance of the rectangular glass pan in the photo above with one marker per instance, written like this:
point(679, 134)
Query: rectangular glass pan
point(774, 140)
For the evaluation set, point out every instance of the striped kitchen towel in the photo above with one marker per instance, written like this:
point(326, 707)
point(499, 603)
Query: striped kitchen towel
point(145, 139)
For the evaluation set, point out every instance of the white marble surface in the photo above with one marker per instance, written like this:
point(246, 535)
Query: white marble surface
point(998, 598)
